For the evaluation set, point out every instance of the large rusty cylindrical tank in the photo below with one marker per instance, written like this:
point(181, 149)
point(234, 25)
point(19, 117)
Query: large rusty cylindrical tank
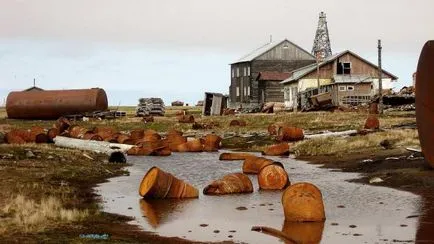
point(52, 104)
point(425, 101)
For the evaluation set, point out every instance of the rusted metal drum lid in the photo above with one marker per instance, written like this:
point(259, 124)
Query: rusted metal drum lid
point(425, 101)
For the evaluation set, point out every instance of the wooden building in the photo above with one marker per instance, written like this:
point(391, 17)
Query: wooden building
point(348, 77)
point(248, 89)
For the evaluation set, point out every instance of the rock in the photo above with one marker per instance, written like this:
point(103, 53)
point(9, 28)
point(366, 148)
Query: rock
point(375, 180)
point(30, 154)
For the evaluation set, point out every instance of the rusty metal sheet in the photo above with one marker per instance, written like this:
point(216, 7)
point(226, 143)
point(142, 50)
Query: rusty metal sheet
point(425, 101)
point(52, 104)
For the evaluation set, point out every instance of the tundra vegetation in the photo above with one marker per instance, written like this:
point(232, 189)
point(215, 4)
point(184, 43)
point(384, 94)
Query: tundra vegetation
point(46, 192)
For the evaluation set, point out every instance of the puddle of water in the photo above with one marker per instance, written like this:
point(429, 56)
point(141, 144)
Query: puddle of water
point(355, 213)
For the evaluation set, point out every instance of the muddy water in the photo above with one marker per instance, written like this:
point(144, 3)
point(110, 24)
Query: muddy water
point(355, 213)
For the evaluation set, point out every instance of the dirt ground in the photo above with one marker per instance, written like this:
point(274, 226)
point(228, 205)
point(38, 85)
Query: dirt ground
point(69, 176)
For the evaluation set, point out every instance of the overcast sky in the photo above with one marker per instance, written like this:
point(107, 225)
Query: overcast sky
point(180, 48)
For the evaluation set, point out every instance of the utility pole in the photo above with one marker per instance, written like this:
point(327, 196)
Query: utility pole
point(380, 82)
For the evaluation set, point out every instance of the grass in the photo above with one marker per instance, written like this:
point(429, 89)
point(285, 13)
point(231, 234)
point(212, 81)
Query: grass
point(27, 215)
point(340, 146)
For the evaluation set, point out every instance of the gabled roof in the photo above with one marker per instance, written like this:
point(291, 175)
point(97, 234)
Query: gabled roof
point(300, 73)
point(265, 48)
point(276, 76)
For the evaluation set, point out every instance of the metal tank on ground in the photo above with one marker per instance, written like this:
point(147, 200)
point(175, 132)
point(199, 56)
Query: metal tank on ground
point(52, 104)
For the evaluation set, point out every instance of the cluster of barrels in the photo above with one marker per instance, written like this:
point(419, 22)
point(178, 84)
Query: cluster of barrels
point(302, 202)
point(37, 134)
point(150, 143)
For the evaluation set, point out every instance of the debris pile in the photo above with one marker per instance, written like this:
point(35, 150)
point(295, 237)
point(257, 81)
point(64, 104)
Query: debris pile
point(150, 106)
point(177, 103)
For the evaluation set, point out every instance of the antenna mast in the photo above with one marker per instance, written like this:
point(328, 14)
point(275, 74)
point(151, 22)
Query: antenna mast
point(321, 45)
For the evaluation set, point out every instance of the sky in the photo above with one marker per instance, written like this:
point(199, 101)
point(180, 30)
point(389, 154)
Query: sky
point(177, 50)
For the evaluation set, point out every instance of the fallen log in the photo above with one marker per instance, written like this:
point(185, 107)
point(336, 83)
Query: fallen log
point(252, 165)
point(230, 184)
point(159, 184)
point(115, 151)
point(302, 202)
point(273, 177)
point(235, 156)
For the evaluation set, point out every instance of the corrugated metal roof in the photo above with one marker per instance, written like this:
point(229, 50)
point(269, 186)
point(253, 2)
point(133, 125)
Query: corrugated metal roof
point(263, 49)
point(276, 76)
point(300, 73)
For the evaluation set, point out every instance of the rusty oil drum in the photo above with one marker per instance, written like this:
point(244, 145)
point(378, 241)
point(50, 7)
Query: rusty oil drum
point(425, 101)
point(52, 104)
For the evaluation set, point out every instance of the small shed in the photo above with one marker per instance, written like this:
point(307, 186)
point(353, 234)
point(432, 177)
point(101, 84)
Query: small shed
point(214, 104)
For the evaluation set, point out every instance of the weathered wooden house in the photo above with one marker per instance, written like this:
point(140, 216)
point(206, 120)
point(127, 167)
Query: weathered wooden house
point(349, 79)
point(273, 60)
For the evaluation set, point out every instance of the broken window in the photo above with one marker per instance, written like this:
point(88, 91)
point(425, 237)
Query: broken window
point(343, 68)
point(350, 88)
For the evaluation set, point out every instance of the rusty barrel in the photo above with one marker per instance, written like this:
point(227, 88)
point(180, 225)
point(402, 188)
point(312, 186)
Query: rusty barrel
point(287, 133)
point(281, 149)
point(252, 165)
point(235, 156)
point(52, 133)
point(62, 124)
point(237, 122)
point(302, 202)
point(211, 143)
point(425, 101)
point(230, 184)
point(273, 177)
point(18, 136)
point(372, 122)
point(274, 128)
point(52, 104)
point(194, 145)
point(159, 184)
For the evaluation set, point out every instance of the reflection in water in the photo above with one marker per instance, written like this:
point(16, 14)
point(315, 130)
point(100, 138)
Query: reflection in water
point(305, 233)
point(425, 233)
point(158, 211)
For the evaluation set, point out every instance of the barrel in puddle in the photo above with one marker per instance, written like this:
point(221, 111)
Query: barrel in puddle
point(302, 202)
point(273, 177)
point(253, 165)
point(235, 156)
point(159, 184)
point(308, 232)
point(230, 184)
point(281, 149)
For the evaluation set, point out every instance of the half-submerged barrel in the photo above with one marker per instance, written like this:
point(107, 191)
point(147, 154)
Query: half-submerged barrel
point(273, 177)
point(52, 104)
point(425, 101)
point(302, 202)
point(230, 184)
point(235, 156)
point(159, 184)
point(252, 165)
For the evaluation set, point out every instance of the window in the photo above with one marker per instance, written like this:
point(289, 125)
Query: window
point(248, 71)
point(245, 71)
point(238, 91)
point(245, 91)
point(248, 91)
point(342, 88)
point(238, 72)
point(233, 72)
point(350, 88)
point(343, 68)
